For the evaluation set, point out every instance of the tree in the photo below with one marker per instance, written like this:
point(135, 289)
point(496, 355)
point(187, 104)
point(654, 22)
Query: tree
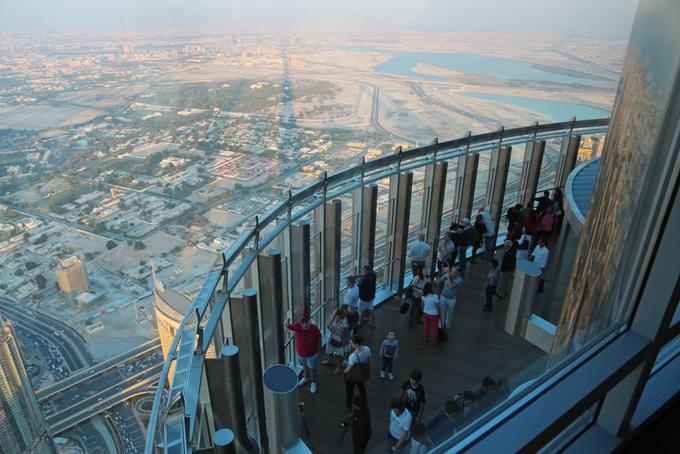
point(41, 239)
point(40, 281)
point(142, 262)
point(19, 272)
point(89, 256)
point(139, 245)
point(30, 265)
point(111, 244)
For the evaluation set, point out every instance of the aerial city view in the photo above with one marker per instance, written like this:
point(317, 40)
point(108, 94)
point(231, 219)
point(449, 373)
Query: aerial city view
point(131, 159)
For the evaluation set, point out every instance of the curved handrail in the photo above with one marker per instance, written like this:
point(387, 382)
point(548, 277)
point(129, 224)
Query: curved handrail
point(367, 171)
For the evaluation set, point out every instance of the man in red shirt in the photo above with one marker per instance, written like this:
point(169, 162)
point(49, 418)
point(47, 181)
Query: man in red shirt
point(307, 346)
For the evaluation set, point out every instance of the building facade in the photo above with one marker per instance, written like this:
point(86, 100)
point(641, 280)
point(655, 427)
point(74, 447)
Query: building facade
point(72, 276)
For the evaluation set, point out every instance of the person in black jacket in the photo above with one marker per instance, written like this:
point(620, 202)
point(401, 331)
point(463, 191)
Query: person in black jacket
point(367, 295)
point(360, 422)
point(508, 264)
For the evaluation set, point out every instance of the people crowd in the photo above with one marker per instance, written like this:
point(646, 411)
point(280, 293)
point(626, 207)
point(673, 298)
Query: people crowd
point(431, 299)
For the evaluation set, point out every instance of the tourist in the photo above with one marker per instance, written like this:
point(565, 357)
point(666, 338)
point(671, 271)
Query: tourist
point(413, 394)
point(416, 294)
point(514, 217)
point(530, 220)
point(543, 202)
point(523, 244)
point(449, 291)
point(357, 370)
point(491, 284)
point(351, 298)
point(360, 422)
point(307, 347)
point(352, 322)
point(431, 311)
point(444, 424)
point(478, 241)
point(465, 240)
point(336, 347)
point(508, 265)
point(445, 251)
point(489, 235)
point(420, 442)
point(418, 253)
point(547, 223)
point(400, 425)
point(367, 296)
point(389, 349)
point(540, 257)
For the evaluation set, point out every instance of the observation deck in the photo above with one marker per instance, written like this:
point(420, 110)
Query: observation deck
point(294, 259)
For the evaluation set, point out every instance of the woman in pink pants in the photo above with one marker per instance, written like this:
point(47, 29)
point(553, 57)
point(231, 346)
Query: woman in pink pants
point(431, 311)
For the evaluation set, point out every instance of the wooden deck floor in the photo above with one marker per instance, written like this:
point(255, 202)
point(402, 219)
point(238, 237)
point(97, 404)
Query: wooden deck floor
point(477, 347)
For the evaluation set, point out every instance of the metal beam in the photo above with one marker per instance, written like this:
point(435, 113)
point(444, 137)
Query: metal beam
point(401, 187)
point(531, 171)
point(433, 206)
point(464, 191)
point(364, 207)
point(499, 165)
point(567, 159)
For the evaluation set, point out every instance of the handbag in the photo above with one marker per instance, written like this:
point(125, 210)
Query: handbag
point(405, 306)
point(335, 342)
point(359, 372)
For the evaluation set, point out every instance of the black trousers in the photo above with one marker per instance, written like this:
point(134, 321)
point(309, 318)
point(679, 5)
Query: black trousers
point(349, 391)
point(490, 292)
point(388, 361)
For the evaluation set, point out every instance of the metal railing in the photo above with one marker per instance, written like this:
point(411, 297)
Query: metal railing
point(201, 322)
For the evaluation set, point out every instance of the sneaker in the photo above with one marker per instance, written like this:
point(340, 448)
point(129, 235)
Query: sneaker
point(382, 374)
point(391, 375)
point(303, 381)
point(313, 388)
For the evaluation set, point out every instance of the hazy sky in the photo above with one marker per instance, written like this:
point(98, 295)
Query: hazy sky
point(590, 18)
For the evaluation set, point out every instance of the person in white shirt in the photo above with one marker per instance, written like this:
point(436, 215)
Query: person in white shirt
point(523, 244)
point(400, 425)
point(351, 298)
point(418, 253)
point(431, 312)
point(490, 235)
point(540, 255)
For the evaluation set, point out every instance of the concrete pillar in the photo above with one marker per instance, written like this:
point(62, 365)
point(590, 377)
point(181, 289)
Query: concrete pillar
point(433, 206)
point(531, 171)
point(272, 306)
point(226, 395)
point(364, 207)
point(522, 296)
point(567, 159)
point(464, 191)
point(332, 251)
point(401, 187)
point(499, 165)
point(300, 268)
point(282, 405)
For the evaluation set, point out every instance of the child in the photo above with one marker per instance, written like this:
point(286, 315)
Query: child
point(388, 351)
point(420, 442)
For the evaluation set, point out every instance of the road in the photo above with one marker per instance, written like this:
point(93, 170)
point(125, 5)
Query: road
point(375, 118)
point(418, 90)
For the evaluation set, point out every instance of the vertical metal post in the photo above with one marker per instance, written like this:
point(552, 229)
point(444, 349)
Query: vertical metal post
point(247, 334)
point(299, 272)
point(469, 163)
point(224, 442)
point(332, 251)
point(272, 306)
point(498, 178)
point(567, 160)
point(531, 171)
point(435, 189)
point(226, 395)
point(401, 186)
point(282, 405)
point(364, 205)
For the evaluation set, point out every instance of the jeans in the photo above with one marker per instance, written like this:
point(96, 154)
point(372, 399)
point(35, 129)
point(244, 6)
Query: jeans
point(447, 306)
point(489, 246)
point(490, 292)
point(388, 362)
point(349, 391)
point(462, 252)
point(431, 323)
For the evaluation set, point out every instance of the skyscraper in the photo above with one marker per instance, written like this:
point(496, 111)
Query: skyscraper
point(72, 276)
point(170, 307)
point(22, 428)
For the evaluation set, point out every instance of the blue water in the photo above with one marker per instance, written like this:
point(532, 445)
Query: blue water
point(555, 110)
point(500, 68)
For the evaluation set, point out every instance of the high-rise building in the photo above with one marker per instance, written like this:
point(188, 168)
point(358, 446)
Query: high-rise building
point(22, 428)
point(170, 307)
point(72, 276)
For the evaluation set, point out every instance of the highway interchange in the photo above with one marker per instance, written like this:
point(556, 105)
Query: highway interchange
point(85, 388)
